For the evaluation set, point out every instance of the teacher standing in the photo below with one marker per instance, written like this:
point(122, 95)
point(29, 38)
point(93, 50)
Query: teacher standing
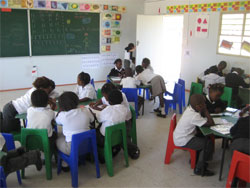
point(128, 55)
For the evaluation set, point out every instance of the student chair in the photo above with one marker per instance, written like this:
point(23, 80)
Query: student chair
point(183, 95)
point(114, 135)
point(2, 178)
point(133, 132)
point(196, 88)
point(239, 168)
point(10, 145)
point(99, 94)
point(108, 79)
point(92, 82)
point(16, 135)
point(171, 146)
point(227, 95)
point(81, 144)
point(132, 96)
point(173, 99)
point(38, 139)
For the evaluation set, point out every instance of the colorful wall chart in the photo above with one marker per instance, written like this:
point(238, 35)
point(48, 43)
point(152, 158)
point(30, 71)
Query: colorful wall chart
point(210, 7)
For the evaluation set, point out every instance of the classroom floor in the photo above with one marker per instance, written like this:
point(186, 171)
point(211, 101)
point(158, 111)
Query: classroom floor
point(148, 171)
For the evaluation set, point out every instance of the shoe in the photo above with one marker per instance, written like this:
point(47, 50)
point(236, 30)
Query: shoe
point(65, 169)
point(198, 171)
point(157, 110)
point(39, 163)
point(162, 115)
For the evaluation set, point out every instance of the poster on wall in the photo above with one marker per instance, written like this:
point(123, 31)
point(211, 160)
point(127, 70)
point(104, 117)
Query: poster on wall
point(202, 26)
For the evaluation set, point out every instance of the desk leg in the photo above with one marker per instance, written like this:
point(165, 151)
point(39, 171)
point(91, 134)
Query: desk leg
point(24, 123)
point(222, 157)
point(143, 101)
point(203, 161)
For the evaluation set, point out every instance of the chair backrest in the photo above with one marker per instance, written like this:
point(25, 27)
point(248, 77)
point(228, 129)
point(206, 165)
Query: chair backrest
point(177, 92)
point(227, 95)
point(196, 88)
point(172, 128)
point(99, 94)
point(114, 133)
point(9, 141)
point(131, 94)
point(92, 82)
point(243, 165)
point(182, 82)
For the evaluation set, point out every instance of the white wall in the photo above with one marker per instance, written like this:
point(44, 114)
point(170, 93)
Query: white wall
point(63, 69)
point(202, 51)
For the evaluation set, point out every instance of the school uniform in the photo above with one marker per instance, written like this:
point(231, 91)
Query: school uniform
point(185, 135)
point(88, 91)
point(115, 72)
point(210, 79)
point(207, 71)
point(129, 82)
point(73, 122)
point(156, 81)
point(132, 66)
point(212, 105)
point(127, 59)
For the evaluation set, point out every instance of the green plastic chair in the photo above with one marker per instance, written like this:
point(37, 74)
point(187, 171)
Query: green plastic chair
point(196, 88)
point(99, 94)
point(114, 135)
point(133, 132)
point(227, 95)
point(17, 136)
point(38, 139)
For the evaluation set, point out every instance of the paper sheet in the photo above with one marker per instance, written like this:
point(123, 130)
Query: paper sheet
point(223, 129)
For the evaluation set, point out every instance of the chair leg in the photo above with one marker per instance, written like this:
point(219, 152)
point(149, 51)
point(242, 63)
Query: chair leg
point(74, 175)
point(169, 152)
point(166, 107)
point(59, 165)
point(108, 160)
point(193, 158)
point(125, 149)
point(94, 148)
point(48, 166)
point(180, 107)
point(19, 177)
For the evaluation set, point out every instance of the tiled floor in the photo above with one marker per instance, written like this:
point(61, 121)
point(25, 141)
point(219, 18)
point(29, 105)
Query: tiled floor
point(148, 171)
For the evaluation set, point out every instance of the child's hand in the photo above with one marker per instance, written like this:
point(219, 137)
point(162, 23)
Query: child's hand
point(52, 105)
point(92, 104)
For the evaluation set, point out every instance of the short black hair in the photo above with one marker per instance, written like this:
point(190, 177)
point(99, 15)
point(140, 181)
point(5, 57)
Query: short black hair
point(115, 97)
point(52, 84)
point(213, 69)
point(133, 59)
point(117, 60)
point(139, 69)
point(84, 77)
point(68, 101)
point(39, 98)
point(223, 64)
point(146, 61)
point(129, 47)
point(107, 88)
point(128, 72)
point(42, 82)
point(217, 87)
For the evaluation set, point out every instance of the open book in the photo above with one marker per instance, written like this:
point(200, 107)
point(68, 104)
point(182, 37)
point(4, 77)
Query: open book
point(222, 126)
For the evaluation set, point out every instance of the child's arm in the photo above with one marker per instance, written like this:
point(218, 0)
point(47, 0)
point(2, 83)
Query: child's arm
point(95, 104)
point(85, 99)
point(210, 121)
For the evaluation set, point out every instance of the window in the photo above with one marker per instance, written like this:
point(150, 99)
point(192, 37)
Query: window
point(234, 36)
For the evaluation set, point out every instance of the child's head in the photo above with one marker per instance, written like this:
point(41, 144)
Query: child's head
point(43, 83)
point(197, 102)
point(68, 101)
point(213, 69)
point(130, 47)
point(222, 65)
point(216, 91)
point(133, 60)
point(115, 97)
point(145, 63)
point(52, 86)
point(83, 79)
point(139, 69)
point(39, 98)
point(118, 63)
point(128, 72)
point(106, 89)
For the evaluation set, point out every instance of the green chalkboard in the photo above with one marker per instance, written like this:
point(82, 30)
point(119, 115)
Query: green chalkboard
point(59, 32)
point(14, 40)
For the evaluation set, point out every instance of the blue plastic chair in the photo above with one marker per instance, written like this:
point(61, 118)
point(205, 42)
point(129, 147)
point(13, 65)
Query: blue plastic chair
point(108, 79)
point(92, 82)
point(2, 178)
point(81, 144)
point(10, 145)
point(147, 92)
point(173, 99)
point(183, 96)
point(132, 96)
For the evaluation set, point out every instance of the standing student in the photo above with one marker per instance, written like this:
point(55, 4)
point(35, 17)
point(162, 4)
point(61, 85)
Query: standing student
point(128, 55)
point(132, 65)
point(39, 116)
point(158, 86)
point(118, 71)
point(213, 102)
point(21, 104)
point(84, 89)
point(196, 115)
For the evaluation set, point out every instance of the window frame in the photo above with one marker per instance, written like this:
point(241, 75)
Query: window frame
point(242, 34)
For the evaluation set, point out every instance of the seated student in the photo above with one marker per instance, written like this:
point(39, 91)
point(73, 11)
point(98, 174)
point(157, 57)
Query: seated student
point(146, 64)
point(158, 86)
point(73, 119)
point(212, 78)
point(196, 115)
point(234, 80)
point(221, 66)
point(21, 104)
point(213, 102)
point(118, 71)
point(84, 89)
point(39, 116)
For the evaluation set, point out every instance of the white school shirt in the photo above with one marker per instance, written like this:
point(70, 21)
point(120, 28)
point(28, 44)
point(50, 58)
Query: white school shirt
point(129, 82)
point(2, 141)
point(146, 76)
point(112, 115)
point(124, 102)
point(40, 118)
point(185, 129)
point(86, 91)
point(212, 79)
point(127, 55)
point(74, 121)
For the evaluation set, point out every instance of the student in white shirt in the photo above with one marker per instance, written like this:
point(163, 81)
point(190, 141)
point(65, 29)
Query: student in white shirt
point(158, 86)
point(185, 135)
point(39, 116)
point(128, 55)
point(21, 104)
point(146, 64)
point(84, 90)
point(73, 119)
point(212, 78)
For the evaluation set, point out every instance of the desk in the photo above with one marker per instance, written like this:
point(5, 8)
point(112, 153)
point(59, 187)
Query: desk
point(206, 131)
point(244, 94)
point(144, 87)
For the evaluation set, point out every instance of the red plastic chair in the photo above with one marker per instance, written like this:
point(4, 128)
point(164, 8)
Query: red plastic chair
point(171, 146)
point(239, 168)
